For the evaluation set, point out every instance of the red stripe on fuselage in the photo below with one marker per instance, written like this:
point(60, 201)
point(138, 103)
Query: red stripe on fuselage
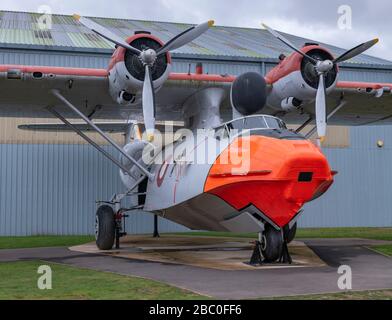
point(362, 85)
point(56, 70)
point(85, 72)
point(201, 77)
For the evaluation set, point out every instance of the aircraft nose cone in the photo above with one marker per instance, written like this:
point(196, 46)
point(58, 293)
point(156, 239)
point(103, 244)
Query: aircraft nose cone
point(276, 176)
point(149, 56)
point(325, 66)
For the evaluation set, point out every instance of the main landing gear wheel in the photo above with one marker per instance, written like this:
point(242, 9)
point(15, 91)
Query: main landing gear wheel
point(105, 228)
point(273, 244)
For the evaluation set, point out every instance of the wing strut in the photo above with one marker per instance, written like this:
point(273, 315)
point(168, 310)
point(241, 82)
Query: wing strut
point(341, 104)
point(303, 126)
point(86, 138)
point(58, 95)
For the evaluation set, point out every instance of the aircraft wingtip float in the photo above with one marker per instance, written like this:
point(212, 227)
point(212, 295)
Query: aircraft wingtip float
point(281, 169)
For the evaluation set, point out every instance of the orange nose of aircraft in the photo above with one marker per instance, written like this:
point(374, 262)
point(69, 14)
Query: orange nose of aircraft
point(276, 176)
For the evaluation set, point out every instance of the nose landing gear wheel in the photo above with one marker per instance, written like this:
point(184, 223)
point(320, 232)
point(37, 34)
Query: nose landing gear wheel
point(273, 245)
point(105, 228)
point(268, 248)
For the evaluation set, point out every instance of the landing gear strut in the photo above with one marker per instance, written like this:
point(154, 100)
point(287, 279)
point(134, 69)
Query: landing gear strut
point(285, 256)
point(120, 219)
point(257, 256)
point(156, 231)
point(288, 237)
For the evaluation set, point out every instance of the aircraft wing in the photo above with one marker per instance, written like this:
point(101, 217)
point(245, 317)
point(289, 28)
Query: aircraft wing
point(111, 127)
point(365, 104)
point(25, 91)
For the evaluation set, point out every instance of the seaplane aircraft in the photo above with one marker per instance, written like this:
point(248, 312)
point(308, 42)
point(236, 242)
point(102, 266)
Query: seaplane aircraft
point(255, 175)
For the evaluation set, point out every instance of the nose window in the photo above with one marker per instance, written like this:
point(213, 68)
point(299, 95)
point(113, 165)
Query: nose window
point(305, 177)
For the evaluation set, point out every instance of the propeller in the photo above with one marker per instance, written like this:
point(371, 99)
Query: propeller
point(148, 104)
point(322, 68)
point(105, 33)
point(148, 57)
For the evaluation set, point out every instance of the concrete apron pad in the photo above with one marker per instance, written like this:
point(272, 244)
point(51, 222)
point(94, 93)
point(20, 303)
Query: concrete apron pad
point(206, 252)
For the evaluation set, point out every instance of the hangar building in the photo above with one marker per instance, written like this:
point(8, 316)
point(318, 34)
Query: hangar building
point(49, 182)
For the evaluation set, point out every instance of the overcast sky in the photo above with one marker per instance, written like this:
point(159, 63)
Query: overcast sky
point(317, 19)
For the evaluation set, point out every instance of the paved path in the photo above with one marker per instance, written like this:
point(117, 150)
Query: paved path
point(371, 271)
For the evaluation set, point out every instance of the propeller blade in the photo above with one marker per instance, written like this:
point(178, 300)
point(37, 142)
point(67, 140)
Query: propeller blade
point(186, 37)
point(149, 104)
point(356, 51)
point(105, 33)
point(288, 43)
point(321, 109)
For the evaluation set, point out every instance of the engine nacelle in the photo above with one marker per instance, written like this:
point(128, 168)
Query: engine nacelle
point(127, 72)
point(296, 77)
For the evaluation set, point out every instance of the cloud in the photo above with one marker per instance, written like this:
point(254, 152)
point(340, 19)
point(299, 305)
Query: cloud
point(312, 19)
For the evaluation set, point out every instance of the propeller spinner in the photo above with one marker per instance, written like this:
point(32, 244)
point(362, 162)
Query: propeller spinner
point(322, 67)
point(148, 58)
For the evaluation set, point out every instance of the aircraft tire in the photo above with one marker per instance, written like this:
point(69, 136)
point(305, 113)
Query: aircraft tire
point(105, 228)
point(273, 244)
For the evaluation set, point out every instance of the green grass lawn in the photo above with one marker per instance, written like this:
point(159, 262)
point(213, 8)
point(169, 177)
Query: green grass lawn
point(364, 233)
point(18, 281)
point(365, 295)
point(329, 233)
point(43, 241)
point(386, 249)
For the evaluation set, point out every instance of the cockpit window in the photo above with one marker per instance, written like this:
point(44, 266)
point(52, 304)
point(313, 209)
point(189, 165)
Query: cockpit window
point(248, 123)
point(254, 122)
point(275, 123)
point(259, 122)
point(261, 125)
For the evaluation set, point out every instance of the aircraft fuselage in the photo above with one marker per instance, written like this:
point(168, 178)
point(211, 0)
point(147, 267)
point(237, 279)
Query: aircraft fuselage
point(251, 176)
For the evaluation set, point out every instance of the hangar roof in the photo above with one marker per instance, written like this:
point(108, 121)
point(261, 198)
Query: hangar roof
point(19, 29)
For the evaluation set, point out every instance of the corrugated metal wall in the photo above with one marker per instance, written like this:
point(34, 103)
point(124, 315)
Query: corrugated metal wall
point(46, 58)
point(361, 195)
point(52, 189)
